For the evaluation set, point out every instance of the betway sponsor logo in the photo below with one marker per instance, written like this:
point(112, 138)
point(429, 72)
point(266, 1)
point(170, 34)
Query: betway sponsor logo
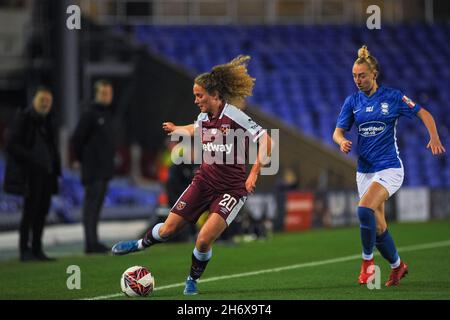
point(371, 128)
point(217, 147)
point(228, 148)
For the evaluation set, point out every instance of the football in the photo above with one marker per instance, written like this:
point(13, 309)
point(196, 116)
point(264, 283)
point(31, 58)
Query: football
point(137, 281)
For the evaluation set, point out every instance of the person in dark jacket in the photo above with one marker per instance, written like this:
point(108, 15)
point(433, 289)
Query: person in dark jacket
point(94, 147)
point(32, 170)
point(179, 178)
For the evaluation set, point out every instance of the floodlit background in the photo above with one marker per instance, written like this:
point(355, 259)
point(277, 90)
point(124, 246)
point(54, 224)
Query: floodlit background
point(302, 54)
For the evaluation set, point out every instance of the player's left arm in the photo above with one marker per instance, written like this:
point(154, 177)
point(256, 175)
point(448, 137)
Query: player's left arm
point(434, 144)
point(265, 144)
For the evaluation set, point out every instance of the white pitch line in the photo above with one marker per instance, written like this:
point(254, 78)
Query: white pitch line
point(431, 245)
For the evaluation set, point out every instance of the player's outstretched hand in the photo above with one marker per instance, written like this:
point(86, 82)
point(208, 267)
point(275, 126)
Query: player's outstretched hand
point(168, 127)
point(435, 146)
point(250, 184)
point(346, 146)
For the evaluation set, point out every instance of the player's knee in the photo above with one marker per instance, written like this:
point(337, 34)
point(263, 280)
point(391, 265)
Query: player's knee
point(366, 216)
point(381, 228)
point(366, 203)
point(203, 244)
point(166, 230)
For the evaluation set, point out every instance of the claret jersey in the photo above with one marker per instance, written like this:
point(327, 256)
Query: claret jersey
point(224, 140)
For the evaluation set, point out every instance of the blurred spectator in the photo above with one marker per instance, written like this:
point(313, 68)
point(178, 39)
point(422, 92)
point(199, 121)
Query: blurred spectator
point(261, 211)
point(164, 161)
point(321, 213)
point(32, 170)
point(94, 147)
point(288, 181)
point(179, 176)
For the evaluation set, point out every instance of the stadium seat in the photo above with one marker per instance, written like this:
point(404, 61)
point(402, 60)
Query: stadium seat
point(303, 73)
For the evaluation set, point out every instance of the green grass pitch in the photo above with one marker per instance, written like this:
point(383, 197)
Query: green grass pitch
point(318, 264)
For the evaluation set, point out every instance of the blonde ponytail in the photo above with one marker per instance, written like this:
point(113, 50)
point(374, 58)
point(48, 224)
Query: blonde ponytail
point(363, 52)
point(364, 56)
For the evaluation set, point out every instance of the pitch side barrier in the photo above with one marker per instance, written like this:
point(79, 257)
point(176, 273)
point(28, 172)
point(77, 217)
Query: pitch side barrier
point(296, 210)
point(301, 210)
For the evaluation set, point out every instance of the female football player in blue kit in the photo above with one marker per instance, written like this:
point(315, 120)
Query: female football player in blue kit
point(375, 111)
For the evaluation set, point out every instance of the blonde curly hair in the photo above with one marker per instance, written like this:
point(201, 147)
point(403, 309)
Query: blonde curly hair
point(230, 80)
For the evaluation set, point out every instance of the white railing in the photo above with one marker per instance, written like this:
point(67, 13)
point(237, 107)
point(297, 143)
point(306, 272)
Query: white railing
point(112, 12)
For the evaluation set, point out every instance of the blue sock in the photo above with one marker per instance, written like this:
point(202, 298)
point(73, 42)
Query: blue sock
point(368, 227)
point(385, 244)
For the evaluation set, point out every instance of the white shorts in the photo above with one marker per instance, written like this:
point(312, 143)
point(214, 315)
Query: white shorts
point(391, 179)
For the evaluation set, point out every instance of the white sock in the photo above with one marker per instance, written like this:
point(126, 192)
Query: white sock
point(202, 256)
point(155, 232)
point(367, 256)
point(140, 246)
point(396, 263)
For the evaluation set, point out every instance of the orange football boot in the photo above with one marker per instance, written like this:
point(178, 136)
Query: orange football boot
point(364, 274)
point(397, 274)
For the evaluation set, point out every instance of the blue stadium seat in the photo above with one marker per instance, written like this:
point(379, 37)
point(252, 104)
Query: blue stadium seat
point(296, 66)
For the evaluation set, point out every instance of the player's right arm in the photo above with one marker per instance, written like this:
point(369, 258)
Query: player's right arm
point(170, 127)
point(344, 123)
point(339, 138)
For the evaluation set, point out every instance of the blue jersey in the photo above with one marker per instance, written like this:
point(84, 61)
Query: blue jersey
point(376, 119)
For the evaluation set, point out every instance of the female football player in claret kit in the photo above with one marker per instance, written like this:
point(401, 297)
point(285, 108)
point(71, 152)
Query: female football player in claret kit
point(375, 111)
point(218, 187)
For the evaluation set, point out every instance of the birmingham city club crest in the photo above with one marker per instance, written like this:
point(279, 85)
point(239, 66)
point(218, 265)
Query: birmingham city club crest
point(384, 108)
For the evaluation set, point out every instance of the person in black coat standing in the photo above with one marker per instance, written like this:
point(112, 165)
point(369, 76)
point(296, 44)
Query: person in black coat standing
point(94, 147)
point(32, 169)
